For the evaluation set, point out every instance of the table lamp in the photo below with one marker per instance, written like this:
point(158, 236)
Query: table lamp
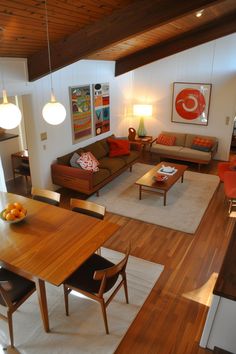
point(142, 110)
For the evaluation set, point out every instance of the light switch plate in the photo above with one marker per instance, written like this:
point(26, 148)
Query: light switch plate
point(43, 136)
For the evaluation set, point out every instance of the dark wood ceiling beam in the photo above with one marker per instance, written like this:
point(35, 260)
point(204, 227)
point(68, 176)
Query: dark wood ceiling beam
point(213, 30)
point(135, 18)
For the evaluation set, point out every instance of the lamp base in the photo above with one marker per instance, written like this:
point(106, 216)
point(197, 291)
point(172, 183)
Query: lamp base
point(141, 129)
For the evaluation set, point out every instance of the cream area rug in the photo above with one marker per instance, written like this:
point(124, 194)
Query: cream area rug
point(186, 202)
point(83, 331)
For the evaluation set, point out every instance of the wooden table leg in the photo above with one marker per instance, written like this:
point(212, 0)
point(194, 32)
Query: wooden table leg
point(182, 178)
point(165, 198)
point(140, 192)
point(41, 291)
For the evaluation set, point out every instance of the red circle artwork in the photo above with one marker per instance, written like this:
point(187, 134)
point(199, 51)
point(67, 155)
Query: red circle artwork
point(190, 103)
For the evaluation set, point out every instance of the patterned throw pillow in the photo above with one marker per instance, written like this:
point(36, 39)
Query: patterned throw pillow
point(166, 139)
point(202, 144)
point(88, 162)
point(73, 160)
point(118, 147)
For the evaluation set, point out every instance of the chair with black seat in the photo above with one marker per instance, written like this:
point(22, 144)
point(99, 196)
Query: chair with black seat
point(46, 196)
point(14, 290)
point(95, 277)
point(88, 208)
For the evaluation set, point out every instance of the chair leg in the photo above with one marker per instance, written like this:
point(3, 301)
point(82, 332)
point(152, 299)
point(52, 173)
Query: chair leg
point(10, 326)
point(126, 289)
point(104, 313)
point(66, 298)
point(99, 252)
point(230, 205)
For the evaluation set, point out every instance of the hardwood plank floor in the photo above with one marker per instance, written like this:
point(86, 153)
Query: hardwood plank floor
point(172, 319)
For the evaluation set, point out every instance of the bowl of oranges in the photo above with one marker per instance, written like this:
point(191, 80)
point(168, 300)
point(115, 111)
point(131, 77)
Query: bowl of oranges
point(13, 213)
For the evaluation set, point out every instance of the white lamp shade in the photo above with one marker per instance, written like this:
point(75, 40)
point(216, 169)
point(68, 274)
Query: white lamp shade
point(10, 116)
point(142, 110)
point(54, 113)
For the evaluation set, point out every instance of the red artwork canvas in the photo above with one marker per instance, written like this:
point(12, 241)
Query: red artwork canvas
point(191, 102)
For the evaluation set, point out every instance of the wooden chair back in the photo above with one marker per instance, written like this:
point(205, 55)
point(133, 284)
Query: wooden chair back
point(46, 196)
point(88, 208)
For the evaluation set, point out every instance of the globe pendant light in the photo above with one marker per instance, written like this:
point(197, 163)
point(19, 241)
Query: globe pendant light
point(10, 115)
point(53, 112)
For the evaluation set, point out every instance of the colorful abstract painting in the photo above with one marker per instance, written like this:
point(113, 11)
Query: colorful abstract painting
point(191, 102)
point(81, 112)
point(101, 102)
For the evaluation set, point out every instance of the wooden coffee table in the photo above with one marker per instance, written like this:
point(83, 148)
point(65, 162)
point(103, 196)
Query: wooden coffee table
point(148, 183)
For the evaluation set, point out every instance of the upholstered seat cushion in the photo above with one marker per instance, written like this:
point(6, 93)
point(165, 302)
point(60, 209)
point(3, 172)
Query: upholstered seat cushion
point(82, 278)
point(100, 175)
point(112, 164)
point(15, 285)
point(131, 157)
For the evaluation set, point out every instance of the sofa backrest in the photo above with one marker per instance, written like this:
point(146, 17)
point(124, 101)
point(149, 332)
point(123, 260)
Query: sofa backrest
point(180, 137)
point(191, 137)
point(99, 149)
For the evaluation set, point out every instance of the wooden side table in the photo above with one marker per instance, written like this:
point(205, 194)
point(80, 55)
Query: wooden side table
point(20, 164)
point(145, 141)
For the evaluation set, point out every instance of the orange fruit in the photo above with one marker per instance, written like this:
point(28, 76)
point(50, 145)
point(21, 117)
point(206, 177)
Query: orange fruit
point(4, 214)
point(18, 206)
point(15, 212)
point(10, 206)
point(24, 211)
point(21, 215)
point(10, 217)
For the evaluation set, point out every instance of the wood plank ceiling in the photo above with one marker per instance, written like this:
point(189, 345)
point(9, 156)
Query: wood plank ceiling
point(130, 32)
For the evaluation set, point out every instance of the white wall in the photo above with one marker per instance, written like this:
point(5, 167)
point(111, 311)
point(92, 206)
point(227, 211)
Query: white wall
point(214, 62)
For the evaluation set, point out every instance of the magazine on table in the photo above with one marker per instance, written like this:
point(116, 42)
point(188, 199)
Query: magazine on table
point(167, 170)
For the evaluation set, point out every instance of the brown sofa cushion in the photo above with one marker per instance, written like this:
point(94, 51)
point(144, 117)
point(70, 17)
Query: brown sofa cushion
point(97, 149)
point(65, 159)
point(113, 164)
point(131, 157)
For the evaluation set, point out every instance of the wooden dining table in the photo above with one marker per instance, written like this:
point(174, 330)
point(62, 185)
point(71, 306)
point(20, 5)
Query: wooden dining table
point(49, 244)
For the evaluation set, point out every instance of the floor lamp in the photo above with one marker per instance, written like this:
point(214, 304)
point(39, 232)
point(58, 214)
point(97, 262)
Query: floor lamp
point(142, 110)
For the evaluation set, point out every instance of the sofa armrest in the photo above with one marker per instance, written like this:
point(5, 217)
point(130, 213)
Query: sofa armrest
point(214, 149)
point(72, 177)
point(152, 142)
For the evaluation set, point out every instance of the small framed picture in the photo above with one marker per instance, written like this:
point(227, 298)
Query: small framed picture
point(191, 103)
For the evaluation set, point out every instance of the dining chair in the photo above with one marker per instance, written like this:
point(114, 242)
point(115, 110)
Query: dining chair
point(46, 196)
point(88, 208)
point(14, 290)
point(94, 278)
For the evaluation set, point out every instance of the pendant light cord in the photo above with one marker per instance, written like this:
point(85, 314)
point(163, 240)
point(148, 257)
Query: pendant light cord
point(48, 43)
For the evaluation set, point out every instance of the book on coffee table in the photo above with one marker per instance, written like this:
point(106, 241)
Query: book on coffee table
point(167, 170)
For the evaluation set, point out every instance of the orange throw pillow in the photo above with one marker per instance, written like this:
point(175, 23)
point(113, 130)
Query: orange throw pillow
point(118, 147)
point(166, 139)
point(202, 144)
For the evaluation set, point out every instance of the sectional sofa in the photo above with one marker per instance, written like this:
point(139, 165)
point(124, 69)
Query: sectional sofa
point(88, 182)
point(183, 148)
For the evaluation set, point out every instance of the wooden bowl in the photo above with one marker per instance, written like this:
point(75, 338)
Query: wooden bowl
point(161, 178)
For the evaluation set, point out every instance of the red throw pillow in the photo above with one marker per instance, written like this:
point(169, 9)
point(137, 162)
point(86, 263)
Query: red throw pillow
point(166, 139)
point(118, 147)
point(203, 144)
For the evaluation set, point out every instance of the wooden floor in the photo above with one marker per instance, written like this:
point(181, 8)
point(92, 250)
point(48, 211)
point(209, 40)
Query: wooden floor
point(172, 318)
